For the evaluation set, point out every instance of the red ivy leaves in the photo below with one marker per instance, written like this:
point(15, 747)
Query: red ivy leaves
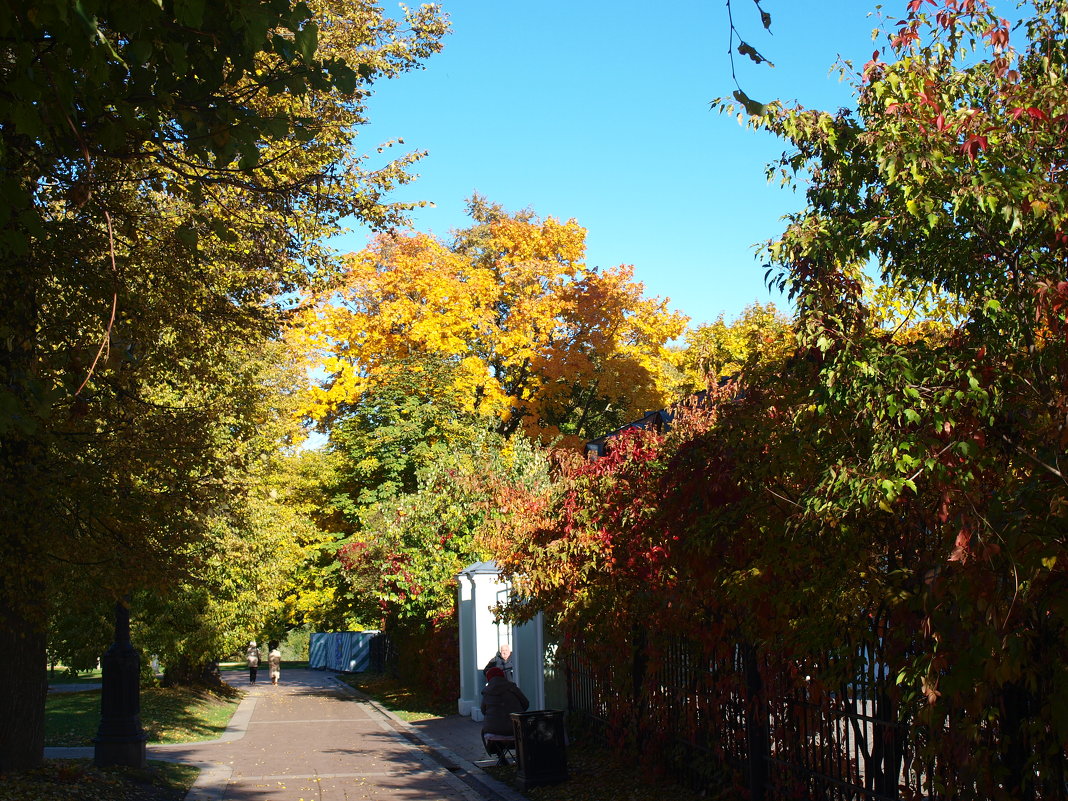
point(973, 145)
point(352, 554)
point(998, 35)
point(1052, 309)
point(1030, 111)
point(906, 36)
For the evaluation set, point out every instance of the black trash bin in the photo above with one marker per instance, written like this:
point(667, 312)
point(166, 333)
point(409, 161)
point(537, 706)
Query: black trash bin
point(540, 748)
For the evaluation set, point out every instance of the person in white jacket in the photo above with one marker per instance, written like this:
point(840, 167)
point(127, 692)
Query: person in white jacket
point(274, 663)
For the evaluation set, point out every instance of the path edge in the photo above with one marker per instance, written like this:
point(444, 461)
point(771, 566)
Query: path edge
point(472, 770)
point(211, 782)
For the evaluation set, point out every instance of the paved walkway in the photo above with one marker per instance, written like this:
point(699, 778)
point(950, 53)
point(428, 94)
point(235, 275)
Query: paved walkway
point(314, 738)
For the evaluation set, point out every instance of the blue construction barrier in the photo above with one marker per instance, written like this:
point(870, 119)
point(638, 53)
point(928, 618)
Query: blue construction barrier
point(344, 651)
point(317, 647)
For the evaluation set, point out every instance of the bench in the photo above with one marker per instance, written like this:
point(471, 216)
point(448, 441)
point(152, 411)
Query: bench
point(504, 744)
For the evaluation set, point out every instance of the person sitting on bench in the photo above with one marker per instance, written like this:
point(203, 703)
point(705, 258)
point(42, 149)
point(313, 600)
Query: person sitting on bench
point(500, 698)
point(503, 660)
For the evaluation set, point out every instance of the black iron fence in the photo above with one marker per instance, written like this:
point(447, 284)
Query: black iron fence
point(383, 654)
point(831, 728)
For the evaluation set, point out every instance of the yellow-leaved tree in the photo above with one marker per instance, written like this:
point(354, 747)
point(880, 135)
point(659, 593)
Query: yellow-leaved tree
point(720, 349)
point(532, 336)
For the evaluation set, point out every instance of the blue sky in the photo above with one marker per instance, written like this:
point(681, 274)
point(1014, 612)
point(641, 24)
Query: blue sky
point(601, 111)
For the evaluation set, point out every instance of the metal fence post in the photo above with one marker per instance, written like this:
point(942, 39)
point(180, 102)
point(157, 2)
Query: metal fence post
point(757, 736)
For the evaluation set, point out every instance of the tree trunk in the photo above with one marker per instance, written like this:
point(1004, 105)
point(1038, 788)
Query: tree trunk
point(23, 687)
point(23, 600)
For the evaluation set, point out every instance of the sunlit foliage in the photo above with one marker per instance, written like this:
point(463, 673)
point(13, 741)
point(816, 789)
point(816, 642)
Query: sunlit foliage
point(532, 336)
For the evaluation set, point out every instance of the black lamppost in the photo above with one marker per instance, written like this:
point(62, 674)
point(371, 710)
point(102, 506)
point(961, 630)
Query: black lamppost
point(120, 740)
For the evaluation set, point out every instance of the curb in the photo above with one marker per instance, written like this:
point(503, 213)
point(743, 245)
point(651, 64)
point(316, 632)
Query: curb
point(214, 778)
point(446, 755)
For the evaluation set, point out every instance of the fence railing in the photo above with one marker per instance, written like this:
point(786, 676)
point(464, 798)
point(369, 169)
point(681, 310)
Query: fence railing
point(383, 658)
point(830, 728)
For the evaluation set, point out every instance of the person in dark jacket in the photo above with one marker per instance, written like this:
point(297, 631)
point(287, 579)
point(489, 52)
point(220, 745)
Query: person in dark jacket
point(500, 698)
point(503, 660)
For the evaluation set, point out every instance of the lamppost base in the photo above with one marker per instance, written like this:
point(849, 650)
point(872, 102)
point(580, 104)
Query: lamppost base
point(127, 751)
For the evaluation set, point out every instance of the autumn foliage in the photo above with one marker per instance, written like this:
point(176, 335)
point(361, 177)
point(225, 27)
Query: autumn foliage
point(895, 485)
point(169, 173)
point(533, 337)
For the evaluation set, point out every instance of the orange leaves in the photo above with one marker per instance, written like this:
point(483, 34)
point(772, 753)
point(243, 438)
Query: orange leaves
point(615, 338)
point(1051, 311)
point(401, 297)
point(532, 336)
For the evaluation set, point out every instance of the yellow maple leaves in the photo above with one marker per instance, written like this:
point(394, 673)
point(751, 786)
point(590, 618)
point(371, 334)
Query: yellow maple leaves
point(720, 349)
point(533, 337)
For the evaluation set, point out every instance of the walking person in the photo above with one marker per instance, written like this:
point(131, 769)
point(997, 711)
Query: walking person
point(274, 663)
point(252, 658)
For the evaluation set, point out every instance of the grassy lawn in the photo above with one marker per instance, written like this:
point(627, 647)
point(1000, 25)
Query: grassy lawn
point(79, 780)
point(402, 701)
point(296, 665)
point(63, 676)
point(169, 715)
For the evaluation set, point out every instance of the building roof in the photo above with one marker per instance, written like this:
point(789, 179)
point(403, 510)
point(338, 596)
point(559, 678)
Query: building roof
point(480, 567)
point(659, 420)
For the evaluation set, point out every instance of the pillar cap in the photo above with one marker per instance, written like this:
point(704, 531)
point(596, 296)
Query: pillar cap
point(481, 568)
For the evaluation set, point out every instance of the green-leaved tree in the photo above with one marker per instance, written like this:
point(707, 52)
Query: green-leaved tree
point(166, 172)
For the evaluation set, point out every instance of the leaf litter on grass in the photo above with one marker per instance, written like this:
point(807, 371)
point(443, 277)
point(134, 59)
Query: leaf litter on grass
point(80, 780)
point(408, 704)
point(168, 715)
point(599, 774)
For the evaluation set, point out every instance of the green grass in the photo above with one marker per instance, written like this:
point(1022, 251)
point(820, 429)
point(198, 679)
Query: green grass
point(406, 703)
point(79, 780)
point(168, 715)
point(294, 664)
point(63, 676)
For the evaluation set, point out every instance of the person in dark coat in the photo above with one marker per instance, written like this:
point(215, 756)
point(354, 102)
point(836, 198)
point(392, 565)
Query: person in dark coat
point(503, 660)
point(500, 698)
